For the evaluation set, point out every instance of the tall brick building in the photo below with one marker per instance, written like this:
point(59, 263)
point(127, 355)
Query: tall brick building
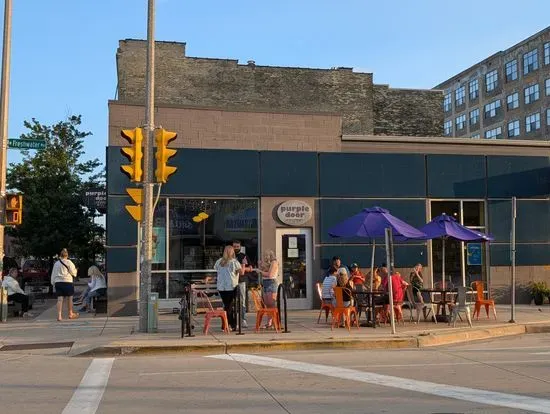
point(506, 96)
point(256, 141)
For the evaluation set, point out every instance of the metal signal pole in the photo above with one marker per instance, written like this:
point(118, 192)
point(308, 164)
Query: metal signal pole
point(147, 237)
point(5, 103)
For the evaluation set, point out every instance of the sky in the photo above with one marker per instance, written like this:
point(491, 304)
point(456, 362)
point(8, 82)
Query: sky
point(63, 51)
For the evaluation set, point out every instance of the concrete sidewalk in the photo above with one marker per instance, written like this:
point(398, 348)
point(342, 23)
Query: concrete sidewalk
point(94, 335)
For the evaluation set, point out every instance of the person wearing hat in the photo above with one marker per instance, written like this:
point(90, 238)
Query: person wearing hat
point(356, 276)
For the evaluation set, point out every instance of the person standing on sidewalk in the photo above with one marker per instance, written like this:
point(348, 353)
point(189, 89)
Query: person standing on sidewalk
point(269, 269)
point(63, 273)
point(228, 269)
point(243, 259)
point(15, 292)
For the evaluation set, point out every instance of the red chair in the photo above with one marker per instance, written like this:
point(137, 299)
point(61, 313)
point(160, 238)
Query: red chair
point(340, 310)
point(262, 310)
point(212, 313)
point(327, 307)
point(479, 286)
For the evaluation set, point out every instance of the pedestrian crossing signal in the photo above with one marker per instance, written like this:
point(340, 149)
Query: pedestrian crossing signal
point(14, 209)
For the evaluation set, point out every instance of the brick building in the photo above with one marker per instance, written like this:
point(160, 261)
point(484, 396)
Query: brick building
point(506, 96)
point(254, 140)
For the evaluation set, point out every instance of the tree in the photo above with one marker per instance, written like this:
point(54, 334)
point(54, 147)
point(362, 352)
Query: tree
point(52, 181)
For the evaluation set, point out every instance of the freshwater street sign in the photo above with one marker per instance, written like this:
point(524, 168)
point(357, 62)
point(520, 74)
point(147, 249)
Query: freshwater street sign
point(26, 144)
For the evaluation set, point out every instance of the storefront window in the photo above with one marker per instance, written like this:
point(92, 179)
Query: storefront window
point(201, 228)
point(158, 284)
point(159, 236)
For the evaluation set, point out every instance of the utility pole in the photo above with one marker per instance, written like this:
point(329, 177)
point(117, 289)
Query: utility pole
point(147, 237)
point(4, 113)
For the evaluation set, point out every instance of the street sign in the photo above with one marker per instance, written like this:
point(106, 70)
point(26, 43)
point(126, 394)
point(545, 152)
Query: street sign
point(26, 144)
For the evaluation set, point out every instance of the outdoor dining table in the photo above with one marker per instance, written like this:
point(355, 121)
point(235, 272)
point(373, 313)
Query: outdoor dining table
point(364, 299)
point(447, 296)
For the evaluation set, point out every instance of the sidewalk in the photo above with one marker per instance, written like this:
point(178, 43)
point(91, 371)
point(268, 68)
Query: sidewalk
point(94, 335)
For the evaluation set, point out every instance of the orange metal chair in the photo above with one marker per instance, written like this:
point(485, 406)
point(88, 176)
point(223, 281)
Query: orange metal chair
point(262, 310)
point(340, 310)
point(212, 313)
point(327, 307)
point(478, 286)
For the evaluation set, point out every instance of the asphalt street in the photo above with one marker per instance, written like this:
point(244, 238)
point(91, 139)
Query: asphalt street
point(501, 376)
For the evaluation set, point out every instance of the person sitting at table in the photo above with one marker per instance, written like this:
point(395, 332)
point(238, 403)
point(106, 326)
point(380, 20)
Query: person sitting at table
point(417, 281)
point(345, 282)
point(329, 283)
point(357, 277)
point(376, 282)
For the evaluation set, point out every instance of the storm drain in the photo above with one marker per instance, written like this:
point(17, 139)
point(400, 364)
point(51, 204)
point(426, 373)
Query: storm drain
point(43, 345)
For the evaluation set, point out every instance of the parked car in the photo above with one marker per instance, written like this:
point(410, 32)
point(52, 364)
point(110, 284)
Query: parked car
point(36, 271)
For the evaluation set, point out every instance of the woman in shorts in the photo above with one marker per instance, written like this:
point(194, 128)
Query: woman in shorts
point(63, 273)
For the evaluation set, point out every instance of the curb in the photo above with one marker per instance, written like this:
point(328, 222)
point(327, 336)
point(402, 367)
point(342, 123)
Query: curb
point(421, 341)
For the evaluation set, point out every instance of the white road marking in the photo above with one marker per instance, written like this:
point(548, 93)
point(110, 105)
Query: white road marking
point(437, 364)
point(540, 353)
point(519, 402)
point(89, 393)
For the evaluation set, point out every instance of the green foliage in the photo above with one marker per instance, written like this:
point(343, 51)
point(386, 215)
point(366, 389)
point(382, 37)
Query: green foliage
point(52, 181)
point(539, 288)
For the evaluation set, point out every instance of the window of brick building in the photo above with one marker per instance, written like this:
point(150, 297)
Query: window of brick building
point(494, 133)
point(474, 89)
point(512, 101)
point(532, 122)
point(447, 102)
point(448, 127)
point(547, 53)
point(492, 109)
point(511, 70)
point(548, 116)
point(513, 128)
point(475, 136)
point(491, 80)
point(474, 116)
point(547, 86)
point(460, 95)
point(460, 122)
point(531, 93)
point(530, 61)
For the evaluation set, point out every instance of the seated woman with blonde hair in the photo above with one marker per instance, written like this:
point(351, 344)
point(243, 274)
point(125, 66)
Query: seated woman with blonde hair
point(345, 282)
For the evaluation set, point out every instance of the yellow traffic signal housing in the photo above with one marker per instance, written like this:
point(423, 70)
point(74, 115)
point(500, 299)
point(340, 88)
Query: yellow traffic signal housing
point(162, 139)
point(14, 209)
point(134, 153)
point(136, 211)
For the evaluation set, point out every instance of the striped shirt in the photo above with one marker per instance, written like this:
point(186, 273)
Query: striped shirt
point(328, 287)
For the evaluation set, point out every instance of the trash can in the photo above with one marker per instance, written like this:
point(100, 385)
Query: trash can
point(153, 313)
point(3, 305)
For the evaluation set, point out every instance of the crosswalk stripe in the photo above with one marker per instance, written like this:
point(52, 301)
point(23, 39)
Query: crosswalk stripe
point(519, 402)
point(89, 393)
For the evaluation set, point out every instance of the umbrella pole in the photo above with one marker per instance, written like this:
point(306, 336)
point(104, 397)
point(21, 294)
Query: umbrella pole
point(372, 264)
point(443, 265)
point(390, 271)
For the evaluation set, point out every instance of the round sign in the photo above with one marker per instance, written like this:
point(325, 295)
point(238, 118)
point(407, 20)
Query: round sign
point(294, 212)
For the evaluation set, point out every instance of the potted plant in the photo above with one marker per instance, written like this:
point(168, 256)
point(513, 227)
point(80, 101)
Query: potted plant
point(539, 290)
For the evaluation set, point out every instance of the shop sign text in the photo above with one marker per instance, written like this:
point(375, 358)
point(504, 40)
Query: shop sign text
point(294, 212)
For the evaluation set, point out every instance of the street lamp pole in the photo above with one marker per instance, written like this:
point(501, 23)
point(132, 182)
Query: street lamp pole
point(4, 113)
point(147, 235)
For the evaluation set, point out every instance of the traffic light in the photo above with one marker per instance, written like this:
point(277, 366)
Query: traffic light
point(134, 153)
point(14, 209)
point(136, 211)
point(163, 138)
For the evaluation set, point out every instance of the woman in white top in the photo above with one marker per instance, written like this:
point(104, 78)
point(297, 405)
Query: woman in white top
point(96, 287)
point(269, 269)
point(229, 269)
point(63, 273)
point(15, 292)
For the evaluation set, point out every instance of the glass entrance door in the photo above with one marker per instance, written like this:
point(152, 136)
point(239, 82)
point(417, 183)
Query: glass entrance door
point(464, 261)
point(294, 253)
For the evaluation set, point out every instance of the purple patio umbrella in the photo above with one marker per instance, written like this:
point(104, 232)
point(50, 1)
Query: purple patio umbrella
point(372, 223)
point(445, 226)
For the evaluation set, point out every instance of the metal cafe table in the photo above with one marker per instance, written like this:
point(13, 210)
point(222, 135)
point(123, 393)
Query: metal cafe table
point(365, 300)
point(446, 296)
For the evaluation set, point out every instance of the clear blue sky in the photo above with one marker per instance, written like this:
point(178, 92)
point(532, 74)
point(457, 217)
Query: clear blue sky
point(63, 51)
